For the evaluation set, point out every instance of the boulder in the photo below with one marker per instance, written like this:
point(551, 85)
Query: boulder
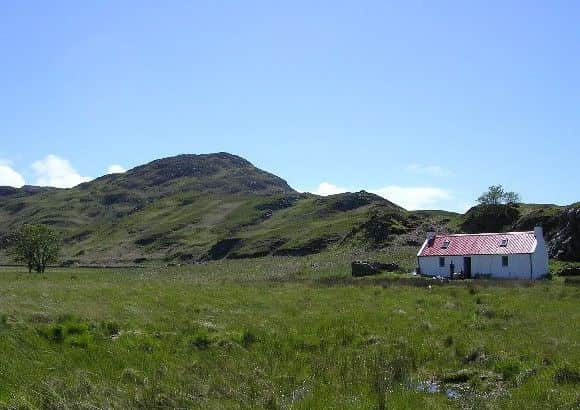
point(389, 267)
point(570, 271)
point(354, 200)
point(565, 244)
point(366, 268)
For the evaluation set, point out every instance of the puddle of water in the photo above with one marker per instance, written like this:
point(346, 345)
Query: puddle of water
point(428, 386)
point(452, 394)
point(432, 387)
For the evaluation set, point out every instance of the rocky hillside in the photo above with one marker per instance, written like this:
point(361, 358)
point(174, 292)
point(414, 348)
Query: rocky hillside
point(196, 207)
point(199, 207)
point(561, 224)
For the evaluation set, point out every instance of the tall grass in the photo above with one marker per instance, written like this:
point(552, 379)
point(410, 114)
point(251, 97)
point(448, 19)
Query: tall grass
point(276, 333)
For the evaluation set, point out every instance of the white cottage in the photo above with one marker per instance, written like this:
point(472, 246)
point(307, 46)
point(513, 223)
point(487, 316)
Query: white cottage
point(518, 255)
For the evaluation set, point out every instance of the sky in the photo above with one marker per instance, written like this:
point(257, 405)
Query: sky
point(425, 103)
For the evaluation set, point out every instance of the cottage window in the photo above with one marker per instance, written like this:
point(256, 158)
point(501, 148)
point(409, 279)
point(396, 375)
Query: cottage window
point(504, 242)
point(505, 261)
point(445, 244)
point(441, 262)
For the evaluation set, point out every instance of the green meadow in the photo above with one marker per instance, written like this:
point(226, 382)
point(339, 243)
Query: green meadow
point(284, 333)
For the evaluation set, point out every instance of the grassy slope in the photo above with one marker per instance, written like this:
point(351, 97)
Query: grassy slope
point(178, 209)
point(279, 332)
point(184, 225)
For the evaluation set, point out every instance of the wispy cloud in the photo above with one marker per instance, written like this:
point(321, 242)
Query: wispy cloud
point(116, 169)
point(431, 170)
point(8, 176)
point(57, 172)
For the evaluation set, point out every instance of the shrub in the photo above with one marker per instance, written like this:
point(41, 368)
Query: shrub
point(475, 355)
point(248, 338)
point(133, 376)
point(404, 363)
point(147, 344)
point(567, 375)
point(111, 328)
point(448, 341)
point(3, 320)
point(460, 376)
point(570, 271)
point(80, 340)
point(56, 333)
point(201, 340)
point(76, 328)
point(509, 369)
point(426, 326)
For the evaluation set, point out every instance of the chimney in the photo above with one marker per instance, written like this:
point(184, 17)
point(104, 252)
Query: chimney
point(430, 235)
point(539, 233)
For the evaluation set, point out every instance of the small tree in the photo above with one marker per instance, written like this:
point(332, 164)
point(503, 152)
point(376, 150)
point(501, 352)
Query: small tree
point(511, 198)
point(496, 195)
point(35, 245)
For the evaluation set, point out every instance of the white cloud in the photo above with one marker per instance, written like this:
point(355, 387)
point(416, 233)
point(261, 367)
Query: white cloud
point(409, 197)
point(57, 172)
point(326, 188)
point(431, 170)
point(413, 198)
point(9, 177)
point(115, 169)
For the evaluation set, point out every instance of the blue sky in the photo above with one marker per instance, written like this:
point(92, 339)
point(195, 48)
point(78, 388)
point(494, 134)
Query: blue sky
point(427, 103)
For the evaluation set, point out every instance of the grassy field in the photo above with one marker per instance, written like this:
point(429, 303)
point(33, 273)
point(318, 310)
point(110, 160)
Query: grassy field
point(284, 333)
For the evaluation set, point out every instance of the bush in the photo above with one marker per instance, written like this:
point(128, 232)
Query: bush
point(248, 338)
point(460, 376)
point(81, 340)
point(476, 355)
point(201, 341)
point(76, 328)
point(133, 376)
point(55, 333)
point(69, 330)
point(570, 271)
point(509, 369)
point(567, 375)
point(111, 328)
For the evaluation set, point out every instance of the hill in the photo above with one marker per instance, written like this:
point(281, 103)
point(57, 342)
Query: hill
point(561, 224)
point(196, 207)
point(201, 207)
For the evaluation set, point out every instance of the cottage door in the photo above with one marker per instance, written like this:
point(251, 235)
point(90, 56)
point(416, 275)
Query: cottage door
point(467, 267)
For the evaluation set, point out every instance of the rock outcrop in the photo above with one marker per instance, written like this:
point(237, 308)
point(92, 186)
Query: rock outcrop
point(565, 242)
point(365, 268)
point(490, 218)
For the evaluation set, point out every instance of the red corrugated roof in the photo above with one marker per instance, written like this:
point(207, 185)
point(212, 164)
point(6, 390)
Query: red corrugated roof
point(480, 244)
